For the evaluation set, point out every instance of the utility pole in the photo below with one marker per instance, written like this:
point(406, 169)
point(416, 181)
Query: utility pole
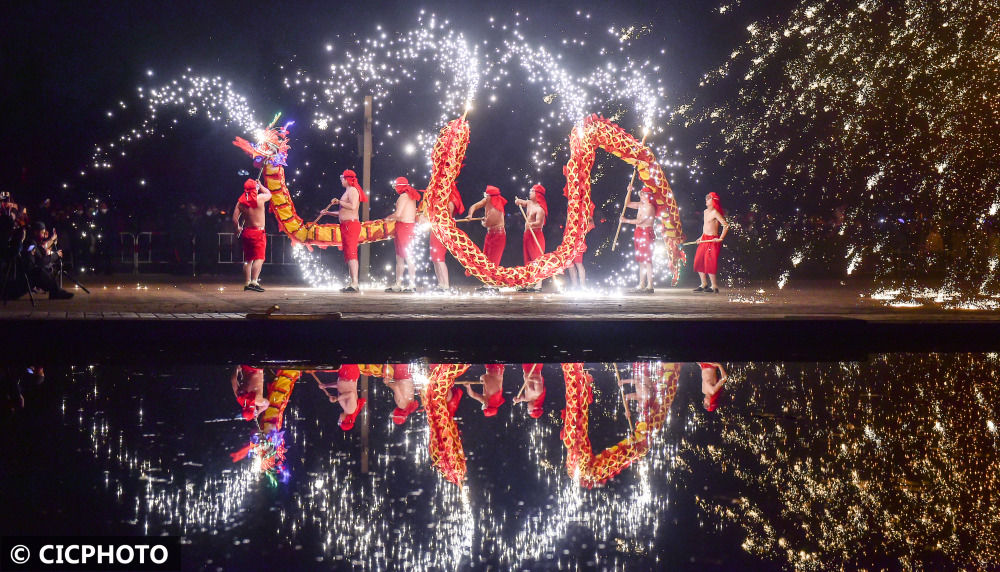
point(364, 256)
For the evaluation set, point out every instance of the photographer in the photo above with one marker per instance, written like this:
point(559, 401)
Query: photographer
point(40, 261)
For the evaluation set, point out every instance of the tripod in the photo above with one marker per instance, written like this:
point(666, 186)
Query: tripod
point(13, 265)
point(66, 273)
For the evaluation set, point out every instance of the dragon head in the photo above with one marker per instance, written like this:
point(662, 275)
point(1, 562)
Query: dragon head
point(271, 146)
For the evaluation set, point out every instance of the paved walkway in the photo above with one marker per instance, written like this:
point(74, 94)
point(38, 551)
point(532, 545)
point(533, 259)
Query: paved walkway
point(187, 298)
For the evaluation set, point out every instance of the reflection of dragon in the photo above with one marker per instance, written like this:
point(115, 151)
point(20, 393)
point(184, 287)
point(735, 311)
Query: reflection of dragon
point(267, 445)
point(270, 154)
point(588, 469)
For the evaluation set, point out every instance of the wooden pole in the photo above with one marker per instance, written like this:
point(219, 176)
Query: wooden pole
point(364, 255)
point(365, 434)
point(621, 390)
point(538, 244)
point(628, 195)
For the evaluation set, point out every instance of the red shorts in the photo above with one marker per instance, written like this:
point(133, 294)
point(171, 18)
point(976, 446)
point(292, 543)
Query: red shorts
point(706, 259)
point(437, 249)
point(350, 232)
point(643, 240)
point(401, 371)
point(531, 248)
point(495, 368)
point(531, 368)
point(254, 244)
point(404, 233)
point(494, 245)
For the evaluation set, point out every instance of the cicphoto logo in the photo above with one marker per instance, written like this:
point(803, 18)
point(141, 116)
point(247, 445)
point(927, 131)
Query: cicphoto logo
point(91, 553)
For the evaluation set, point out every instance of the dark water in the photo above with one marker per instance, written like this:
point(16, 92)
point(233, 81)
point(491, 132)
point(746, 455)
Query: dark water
point(889, 463)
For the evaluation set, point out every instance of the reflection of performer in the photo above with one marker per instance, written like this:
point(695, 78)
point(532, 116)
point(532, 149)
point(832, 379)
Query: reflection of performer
point(252, 236)
point(533, 245)
point(401, 385)
point(350, 224)
point(438, 249)
point(493, 221)
point(643, 238)
point(711, 384)
point(533, 391)
point(405, 217)
point(643, 382)
point(248, 386)
point(492, 395)
point(706, 259)
point(347, 394)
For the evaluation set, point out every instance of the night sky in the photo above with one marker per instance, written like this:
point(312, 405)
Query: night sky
point(68, 63)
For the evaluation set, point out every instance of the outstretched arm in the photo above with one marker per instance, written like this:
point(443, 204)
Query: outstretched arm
point(472, 210)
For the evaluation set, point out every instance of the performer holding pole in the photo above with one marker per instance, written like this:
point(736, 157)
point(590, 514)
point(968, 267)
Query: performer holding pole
point(492, 395)
point(437, 248)
point(711, 384)
point(628, 194)
point(643, 238)
point(405, 217)
point(534, 220)
point(251, 206)
point(706, 259)
point(493, 221)
point(350, 224)
point(533, 390)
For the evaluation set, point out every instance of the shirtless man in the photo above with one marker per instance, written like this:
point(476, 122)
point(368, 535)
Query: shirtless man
point(401, 385)
point(437, 248)
point(711, 384)
point(706, 259)
point(248, 386)
point(493, 221)
point(643, 238)
point(533, 246)
point(405, 217)
point(347, 395)
point(643, 382)
point(492, 395)
point(350, 224)
point(534, 389)
point(251, 206)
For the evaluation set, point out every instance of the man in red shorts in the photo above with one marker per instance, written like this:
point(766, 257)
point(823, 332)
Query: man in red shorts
point(248, 386)
point(251, 207)
point(711, 384)
point(350, 224)
point(493, 221)
point(533, 244)
point(438, 249)
point(347, 395)
point(492, 395)
point(643, 238)
point(706, 259)
point(405, 216)
point(533, 392)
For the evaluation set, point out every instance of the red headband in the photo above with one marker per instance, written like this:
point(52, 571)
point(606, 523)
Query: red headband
point(496, 200)
point(403, 186)
point(716, 203)
point(352, 179)
point(249, 197)
point(540, 198)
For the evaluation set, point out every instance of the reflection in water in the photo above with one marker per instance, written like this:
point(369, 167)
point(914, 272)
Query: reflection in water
point(839, 465)
point(809, 466)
